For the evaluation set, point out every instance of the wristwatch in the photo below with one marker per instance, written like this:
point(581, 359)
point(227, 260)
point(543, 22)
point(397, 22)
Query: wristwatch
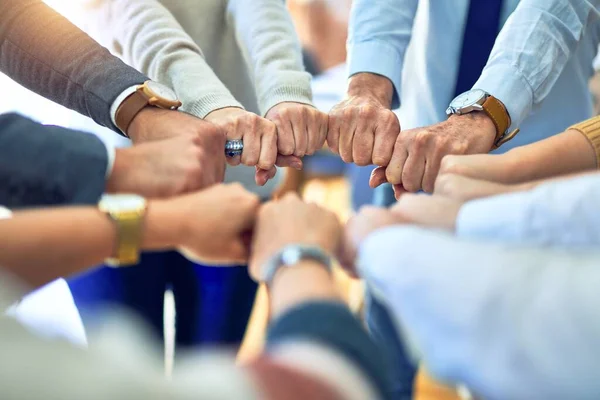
point(479, 100)
point(291, 255)
point(148, 94)
point(128, 212)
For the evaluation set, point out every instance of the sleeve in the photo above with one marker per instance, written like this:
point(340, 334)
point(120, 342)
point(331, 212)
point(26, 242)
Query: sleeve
point(591, 130)
point(558, 213)
point(147, 36)
point(266, 34)
point(381, 30)
point(508, 322)
point(327, 331)
point(49, 165)
point(532, 50)
point(44, 52)
point(123, 364)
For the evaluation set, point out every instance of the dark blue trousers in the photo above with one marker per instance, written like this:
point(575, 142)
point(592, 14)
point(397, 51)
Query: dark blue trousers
point(212, 304)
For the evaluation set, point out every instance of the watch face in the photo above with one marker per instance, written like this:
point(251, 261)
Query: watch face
point(161, 91)
point(468, 99)
point(122, 202)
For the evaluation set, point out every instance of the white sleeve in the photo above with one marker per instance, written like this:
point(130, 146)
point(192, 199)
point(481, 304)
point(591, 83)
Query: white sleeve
point(266, 34)
point(147, 36)
point(510, 322)
point(559, 213)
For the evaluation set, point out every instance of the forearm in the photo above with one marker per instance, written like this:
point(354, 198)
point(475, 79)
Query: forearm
point(41, 246)
point(557, 214)
point(266, 35)
point(46, 53)
point(311, 324)
point(567, 153)
point(381, 31)
point(459, 310)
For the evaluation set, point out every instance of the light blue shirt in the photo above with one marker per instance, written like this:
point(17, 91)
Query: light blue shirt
point(516, 318)
point(539, 67)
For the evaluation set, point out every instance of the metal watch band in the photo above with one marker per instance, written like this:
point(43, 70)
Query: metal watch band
point(291, 255)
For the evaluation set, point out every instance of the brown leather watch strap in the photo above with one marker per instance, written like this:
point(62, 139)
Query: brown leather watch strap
point(129, 108)
point(497, 112)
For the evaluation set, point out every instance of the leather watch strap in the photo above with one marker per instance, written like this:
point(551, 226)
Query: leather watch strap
point(129, 108)
point(497, 112)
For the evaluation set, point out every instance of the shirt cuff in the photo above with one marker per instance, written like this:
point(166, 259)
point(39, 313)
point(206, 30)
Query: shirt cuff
point(111, 153)
point(5, 213)
point(507, 84)
point(120, 99)
point(289, 86)
point(494, 217)
point(389, 63)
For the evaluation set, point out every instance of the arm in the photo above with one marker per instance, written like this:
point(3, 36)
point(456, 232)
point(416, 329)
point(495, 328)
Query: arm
point(149, 38)
point(558, 213)
point(47, 54)
point(532, 50)
point(530, 310)
point(43, 165)
point(265, 33)
point(380, 31)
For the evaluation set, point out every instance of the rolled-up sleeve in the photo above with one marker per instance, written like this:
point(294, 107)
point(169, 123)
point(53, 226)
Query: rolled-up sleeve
point(532, 50)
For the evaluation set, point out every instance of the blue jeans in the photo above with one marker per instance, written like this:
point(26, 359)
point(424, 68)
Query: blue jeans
point(212, 304)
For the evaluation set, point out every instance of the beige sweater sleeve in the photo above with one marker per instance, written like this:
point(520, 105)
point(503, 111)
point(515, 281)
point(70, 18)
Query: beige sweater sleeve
point(591, 129)
point(147, 36)
point(266, 34)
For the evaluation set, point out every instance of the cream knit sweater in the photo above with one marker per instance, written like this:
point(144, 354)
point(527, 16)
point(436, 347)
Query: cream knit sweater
point(213, 53)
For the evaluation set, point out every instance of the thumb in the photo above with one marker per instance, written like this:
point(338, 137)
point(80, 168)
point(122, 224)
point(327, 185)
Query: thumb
point(289, 161)
point(377, 177)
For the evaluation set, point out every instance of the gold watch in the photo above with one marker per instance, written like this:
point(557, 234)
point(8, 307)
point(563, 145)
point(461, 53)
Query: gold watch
point(479, 100)
point(128, 212)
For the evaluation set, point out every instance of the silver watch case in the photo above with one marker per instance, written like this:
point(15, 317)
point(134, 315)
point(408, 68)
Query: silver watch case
point(467, 102)
point(291, 255)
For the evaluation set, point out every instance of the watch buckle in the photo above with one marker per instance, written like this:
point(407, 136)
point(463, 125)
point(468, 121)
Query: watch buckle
point(505, 138)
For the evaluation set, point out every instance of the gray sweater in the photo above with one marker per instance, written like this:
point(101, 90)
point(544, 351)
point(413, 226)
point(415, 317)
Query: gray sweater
point(213, 53)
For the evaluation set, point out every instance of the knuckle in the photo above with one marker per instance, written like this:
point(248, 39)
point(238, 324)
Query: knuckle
point(367, 111)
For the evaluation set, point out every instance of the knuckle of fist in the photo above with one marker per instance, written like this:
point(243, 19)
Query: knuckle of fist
point(367, 111)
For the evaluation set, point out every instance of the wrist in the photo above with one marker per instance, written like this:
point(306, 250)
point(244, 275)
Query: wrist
point(376, 87)
point(116, 182)
point(307, 280)
point(162, 227)
point(140, 129)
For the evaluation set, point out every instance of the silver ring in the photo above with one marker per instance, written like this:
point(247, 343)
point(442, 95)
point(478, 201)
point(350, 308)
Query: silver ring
point(234, 148)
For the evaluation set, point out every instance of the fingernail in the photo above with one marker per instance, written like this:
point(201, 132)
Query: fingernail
point(296, 165)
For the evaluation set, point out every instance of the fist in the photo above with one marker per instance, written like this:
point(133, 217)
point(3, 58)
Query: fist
point(301, 129)
point(362, 131)
point(260, 141)
point(216, 224)
point(418, 153)
point(291, 221)
point(169, 167)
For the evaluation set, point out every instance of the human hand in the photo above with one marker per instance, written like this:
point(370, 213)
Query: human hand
point(212, 225)
point(418, 153)
point(428, 211)
point(260, 141)
point(169, 167)
point(291, 221)
point(368, 220)
point(462, 188)
point(362, 128)
point(301, 129)
point(488, 167)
